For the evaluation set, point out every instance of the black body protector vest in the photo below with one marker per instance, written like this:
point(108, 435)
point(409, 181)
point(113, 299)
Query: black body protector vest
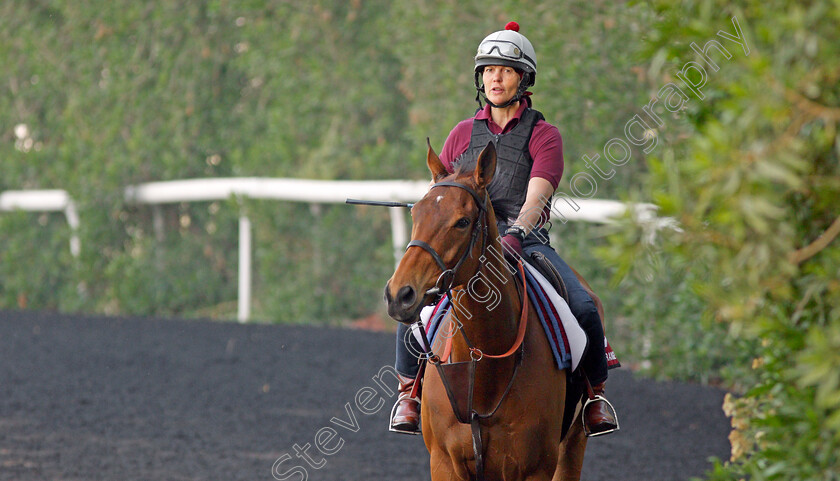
point(513, 161)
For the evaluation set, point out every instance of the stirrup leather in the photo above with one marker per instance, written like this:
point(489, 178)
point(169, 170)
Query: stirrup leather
point(586, 431)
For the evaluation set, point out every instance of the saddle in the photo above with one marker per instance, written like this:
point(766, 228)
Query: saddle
point(547, 269)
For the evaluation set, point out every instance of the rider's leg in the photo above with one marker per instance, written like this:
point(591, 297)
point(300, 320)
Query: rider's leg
point(408, 350)
point(406, 412)
point(599, 416)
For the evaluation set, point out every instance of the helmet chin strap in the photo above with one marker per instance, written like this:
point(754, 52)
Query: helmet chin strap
point(512, 101)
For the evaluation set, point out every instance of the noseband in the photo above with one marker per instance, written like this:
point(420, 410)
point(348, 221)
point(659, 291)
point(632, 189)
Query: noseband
point(447, 275)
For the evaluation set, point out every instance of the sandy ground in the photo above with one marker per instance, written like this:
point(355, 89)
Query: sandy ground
point(90, 398)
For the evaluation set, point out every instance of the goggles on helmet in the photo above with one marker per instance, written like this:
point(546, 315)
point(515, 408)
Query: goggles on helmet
point(503, 47)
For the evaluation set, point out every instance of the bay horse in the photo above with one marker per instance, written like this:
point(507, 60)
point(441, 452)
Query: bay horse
point(510, 396)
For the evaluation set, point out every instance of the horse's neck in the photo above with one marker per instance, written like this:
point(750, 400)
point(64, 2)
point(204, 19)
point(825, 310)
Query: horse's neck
point(488, 306)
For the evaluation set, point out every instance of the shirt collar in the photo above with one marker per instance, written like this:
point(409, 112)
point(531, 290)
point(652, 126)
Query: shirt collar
point(484, 114)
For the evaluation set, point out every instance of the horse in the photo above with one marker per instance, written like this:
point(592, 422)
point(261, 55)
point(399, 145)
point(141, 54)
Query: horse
point(498, 416)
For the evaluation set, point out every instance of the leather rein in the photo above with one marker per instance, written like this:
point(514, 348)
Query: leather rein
point(455, 374)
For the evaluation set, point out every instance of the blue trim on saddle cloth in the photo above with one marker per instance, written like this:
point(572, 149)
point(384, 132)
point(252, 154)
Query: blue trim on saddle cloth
point(440, 310)
point(548, 316)
point(550, 322)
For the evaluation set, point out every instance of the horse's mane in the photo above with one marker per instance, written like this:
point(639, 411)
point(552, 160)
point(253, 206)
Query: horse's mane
point(503, 208)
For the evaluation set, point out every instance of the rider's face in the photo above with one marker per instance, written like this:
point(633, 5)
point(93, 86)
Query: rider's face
point(500, 83)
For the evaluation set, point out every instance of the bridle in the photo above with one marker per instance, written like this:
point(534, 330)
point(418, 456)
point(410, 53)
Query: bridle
point(447, 275)
point(460, 400)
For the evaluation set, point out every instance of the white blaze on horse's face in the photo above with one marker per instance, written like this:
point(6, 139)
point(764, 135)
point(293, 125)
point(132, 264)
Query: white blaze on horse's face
point(438, 198)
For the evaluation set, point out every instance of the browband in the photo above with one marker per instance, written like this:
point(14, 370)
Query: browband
point(478, 200)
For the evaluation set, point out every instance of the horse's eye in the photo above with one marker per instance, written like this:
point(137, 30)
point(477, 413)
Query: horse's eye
point(462, 222)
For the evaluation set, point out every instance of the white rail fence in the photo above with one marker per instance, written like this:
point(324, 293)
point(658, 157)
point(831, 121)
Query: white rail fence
point(294, 190)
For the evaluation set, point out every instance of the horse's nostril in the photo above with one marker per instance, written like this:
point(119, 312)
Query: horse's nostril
point(406, 296)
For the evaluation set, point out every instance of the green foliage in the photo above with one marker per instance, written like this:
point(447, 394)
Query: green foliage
point(754, 186)
point(112, 94)
point(40, 239)
point(313, 273)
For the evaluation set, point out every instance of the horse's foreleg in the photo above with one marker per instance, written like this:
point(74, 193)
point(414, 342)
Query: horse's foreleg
point(572, 449)
point(442, 468)
point(542, 475)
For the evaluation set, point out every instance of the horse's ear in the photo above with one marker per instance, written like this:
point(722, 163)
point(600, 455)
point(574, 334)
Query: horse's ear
point(485, 167)
point(435, 165)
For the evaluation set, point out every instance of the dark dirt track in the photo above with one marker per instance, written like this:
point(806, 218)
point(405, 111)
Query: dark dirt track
point(94, 398)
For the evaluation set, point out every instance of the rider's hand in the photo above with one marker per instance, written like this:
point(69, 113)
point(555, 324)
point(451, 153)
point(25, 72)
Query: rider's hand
point(512, 246)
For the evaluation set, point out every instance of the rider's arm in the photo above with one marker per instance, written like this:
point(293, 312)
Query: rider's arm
point(539, 192)
point(546, 148)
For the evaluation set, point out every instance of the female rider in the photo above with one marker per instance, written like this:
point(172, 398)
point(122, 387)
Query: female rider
point(529, 168)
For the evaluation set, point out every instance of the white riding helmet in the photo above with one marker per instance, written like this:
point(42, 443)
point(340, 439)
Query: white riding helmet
point(510, 48)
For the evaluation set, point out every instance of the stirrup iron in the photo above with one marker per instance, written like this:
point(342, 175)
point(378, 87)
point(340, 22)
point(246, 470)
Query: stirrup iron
point(586, 431)
point(392, 429)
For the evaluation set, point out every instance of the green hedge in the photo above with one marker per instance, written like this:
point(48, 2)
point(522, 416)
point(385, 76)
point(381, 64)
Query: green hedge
point(753, 184)
point(118, 93)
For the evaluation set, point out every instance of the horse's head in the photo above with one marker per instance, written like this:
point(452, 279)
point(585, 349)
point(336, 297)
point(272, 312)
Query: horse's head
point(451, 225)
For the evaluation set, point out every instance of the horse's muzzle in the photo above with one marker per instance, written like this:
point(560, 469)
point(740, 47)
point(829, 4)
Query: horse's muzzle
point(403, 305)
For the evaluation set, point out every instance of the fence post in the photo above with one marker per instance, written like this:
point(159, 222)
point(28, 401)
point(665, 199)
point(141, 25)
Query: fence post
point(399, 233)
point(72, 216)
point(244, 301)
point(158, 222)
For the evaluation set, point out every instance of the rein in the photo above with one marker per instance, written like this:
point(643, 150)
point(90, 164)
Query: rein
point(459, 377)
